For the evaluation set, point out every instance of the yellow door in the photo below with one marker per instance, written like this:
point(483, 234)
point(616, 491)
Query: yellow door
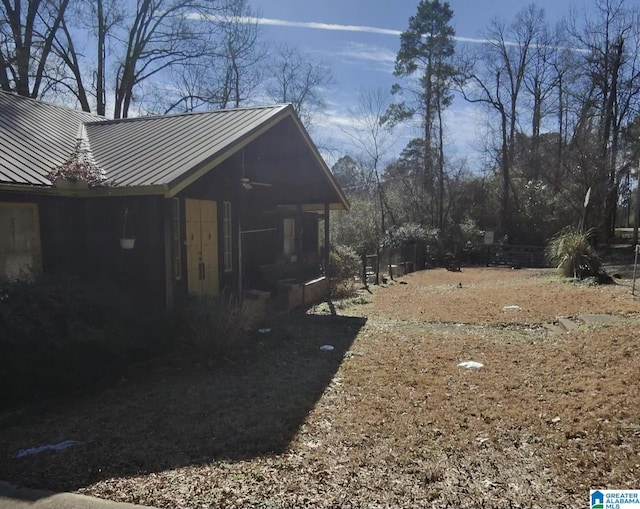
point(209, 236)
point(201, 218)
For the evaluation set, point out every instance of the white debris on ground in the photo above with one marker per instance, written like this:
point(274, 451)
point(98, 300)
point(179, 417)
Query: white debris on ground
point(326, 348)
point(471, 365)
point(49, 447)
point(511, 308)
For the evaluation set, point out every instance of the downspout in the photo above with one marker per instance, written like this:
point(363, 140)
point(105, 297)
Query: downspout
point(168, 255)
point(240, 213)
point(240, 289)
point(327, 248)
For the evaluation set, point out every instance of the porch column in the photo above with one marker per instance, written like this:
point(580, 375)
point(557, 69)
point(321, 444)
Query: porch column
point(299, 232)
point(167, 213)
point(327, 248)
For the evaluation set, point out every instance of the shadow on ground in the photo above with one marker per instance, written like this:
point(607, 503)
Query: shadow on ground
point(183, 410)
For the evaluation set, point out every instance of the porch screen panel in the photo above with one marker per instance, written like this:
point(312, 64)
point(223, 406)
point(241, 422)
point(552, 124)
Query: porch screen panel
point(20, 251)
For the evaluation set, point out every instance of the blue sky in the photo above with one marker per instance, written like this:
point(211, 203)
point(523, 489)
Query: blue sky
point(358, 40)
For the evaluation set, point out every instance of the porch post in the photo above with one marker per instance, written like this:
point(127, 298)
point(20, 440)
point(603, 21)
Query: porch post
point(327, 248)
point(298, 226)
point(168, 255)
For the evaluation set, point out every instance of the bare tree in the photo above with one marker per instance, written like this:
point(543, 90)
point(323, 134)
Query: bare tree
point(497, 78)
point(230, 72)
point(373, 137)
point(612, 95)
point(27, 31)
point(163, 33)
point(295, 79)
point(97, 21)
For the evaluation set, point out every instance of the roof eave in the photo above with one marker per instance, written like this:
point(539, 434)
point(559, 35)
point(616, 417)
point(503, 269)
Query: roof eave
point(346, 205)
point(86, 192)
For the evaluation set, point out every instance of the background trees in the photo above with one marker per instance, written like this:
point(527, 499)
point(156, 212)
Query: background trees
point(115, 57)
point(27, 33)
point(295, 79)
point(561, 103)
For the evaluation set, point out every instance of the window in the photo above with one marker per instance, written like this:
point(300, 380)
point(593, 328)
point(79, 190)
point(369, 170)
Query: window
point(227, 236)
point(289, 226)
point(176, 245)
point(20, 251)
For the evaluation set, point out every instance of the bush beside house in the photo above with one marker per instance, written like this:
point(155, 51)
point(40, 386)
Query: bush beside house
point(60, 333)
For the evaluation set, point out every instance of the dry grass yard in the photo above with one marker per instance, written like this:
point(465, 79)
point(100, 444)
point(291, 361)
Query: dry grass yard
point(386, 419)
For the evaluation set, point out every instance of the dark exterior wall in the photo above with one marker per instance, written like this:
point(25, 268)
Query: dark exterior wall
point(139, 271)
point(81, 236)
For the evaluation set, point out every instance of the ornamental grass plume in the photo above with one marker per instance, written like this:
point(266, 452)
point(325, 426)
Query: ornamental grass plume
point(572, 254)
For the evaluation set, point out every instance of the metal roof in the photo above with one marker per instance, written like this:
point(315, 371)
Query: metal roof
point(148, 151)
point(156, 153)
point(35, 138)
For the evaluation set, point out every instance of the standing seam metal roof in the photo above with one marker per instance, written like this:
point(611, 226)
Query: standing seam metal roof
point(35, 138)
point(157, 150)
point(38, 137)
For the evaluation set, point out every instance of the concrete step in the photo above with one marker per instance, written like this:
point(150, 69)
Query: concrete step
point(564, 324)
point(567, 324)
point(598, 319)
point(553, 329)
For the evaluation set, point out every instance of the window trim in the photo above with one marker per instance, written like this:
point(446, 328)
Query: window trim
point(227, 237)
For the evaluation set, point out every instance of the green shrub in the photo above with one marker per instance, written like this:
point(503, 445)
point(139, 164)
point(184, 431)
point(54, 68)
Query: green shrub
point(572, 254)
point(344, 266)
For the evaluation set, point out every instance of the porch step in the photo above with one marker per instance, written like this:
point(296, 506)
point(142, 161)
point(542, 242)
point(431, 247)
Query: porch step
point(567, 324)
point(564, 324)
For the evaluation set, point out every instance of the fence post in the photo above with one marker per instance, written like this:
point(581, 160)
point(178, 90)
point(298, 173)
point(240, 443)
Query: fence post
point(635, 267)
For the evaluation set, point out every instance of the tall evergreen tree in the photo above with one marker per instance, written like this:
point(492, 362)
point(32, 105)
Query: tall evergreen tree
point(426, 52)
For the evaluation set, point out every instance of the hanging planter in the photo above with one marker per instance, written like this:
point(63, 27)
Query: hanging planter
point(126, 242)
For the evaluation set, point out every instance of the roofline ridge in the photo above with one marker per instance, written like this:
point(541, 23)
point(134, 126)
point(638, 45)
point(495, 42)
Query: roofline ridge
point(99, 118)
point(280, 106)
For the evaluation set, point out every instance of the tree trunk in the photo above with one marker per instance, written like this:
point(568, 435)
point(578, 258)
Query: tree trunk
point(100, 79)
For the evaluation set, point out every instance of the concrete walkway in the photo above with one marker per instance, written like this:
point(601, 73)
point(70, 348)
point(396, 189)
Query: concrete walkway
point(12, 497)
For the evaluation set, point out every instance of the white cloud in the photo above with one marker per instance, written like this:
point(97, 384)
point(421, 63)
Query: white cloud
point(358, 51)
point(353, 28)
point(367, 56)
point(337, 27)
point(327, 26)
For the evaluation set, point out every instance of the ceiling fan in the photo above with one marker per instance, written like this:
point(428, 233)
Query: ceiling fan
point(249, 184)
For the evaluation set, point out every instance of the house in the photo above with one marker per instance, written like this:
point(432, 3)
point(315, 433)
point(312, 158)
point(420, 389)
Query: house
point(203, 203)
